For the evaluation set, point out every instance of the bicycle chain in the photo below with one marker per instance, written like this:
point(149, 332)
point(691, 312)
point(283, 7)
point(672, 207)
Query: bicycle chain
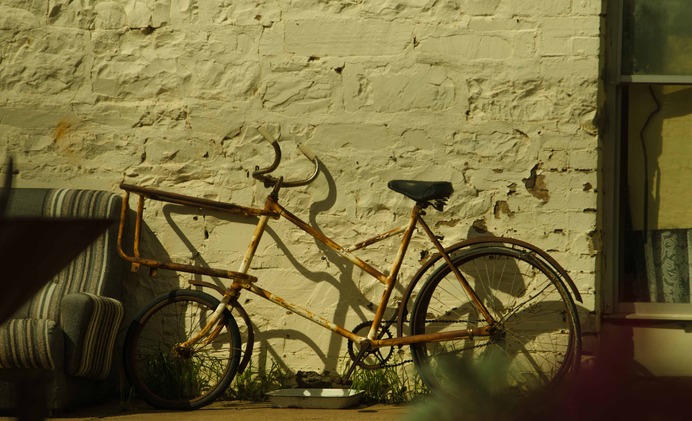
point(400, 363)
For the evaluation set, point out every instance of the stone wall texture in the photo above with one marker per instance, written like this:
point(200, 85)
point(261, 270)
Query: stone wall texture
point(497, 96)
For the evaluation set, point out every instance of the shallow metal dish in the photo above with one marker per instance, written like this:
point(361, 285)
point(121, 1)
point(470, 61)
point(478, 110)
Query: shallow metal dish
point(315, 398)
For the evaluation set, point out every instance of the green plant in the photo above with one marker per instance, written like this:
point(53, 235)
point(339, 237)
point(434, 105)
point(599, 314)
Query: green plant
point(253, 384)
point(478, 391)
point(181, 377)
point(389, 385)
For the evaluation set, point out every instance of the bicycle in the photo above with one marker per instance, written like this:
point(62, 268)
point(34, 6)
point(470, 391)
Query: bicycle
point(482, 298)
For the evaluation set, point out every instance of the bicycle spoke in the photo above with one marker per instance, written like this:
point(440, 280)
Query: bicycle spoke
point(535, 333)
point(169, 376)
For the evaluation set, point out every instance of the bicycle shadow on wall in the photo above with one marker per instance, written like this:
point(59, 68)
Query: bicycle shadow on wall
point(355, 300)
point(141, 285)
point(344, 283)
point(258, 335)
point(476, 232)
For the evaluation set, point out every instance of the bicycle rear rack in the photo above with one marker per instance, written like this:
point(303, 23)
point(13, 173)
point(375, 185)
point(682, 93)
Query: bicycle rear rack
point(137, 260)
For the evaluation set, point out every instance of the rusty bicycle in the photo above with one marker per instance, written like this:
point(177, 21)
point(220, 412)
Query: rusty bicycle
point(484, 299)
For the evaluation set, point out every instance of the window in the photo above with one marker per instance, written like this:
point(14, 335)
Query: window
point(657, 208)
point(650, 240)
point(656, 41)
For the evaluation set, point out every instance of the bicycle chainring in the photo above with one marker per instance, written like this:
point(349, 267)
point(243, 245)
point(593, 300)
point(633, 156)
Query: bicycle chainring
point(376, 358)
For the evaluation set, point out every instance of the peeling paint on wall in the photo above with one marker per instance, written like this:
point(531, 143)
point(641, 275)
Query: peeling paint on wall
point(502, 208)
point(535, 183)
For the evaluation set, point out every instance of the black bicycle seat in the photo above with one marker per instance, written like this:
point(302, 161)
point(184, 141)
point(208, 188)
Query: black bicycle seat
point(422, 191)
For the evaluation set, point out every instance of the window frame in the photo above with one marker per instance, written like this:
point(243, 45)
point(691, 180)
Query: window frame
point(614, 173)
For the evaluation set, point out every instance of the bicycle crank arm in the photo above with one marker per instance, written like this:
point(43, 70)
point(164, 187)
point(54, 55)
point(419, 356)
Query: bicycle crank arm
point(365, 347)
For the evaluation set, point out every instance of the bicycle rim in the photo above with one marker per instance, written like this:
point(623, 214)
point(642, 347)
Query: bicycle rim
point(173, 379)
point(536, 341)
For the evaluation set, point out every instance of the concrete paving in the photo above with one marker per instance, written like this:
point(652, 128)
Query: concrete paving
point(236, 411)
point(594, 399)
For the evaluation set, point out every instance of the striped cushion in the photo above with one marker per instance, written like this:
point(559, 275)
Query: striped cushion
point(31, 343)
point(91, 324)
point(88, 271)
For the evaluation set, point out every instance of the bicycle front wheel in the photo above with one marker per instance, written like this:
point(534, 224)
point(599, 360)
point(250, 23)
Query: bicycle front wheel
point(534, 343)
point(171, 377)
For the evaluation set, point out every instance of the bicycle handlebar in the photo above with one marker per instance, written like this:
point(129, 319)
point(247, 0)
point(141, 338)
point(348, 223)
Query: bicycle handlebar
point(277, 155)
point(263, 174)
point(309, 154)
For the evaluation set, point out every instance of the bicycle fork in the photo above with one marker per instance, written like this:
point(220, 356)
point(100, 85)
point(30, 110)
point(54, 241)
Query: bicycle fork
point(232, 292)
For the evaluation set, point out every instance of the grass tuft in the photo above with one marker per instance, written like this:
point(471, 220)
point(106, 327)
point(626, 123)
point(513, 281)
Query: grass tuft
point(253, 384)
point(389, 385)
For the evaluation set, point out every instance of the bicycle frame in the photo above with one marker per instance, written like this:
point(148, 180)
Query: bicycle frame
point(242, 280)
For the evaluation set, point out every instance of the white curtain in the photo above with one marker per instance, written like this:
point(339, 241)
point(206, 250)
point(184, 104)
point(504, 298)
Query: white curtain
point(668, 265)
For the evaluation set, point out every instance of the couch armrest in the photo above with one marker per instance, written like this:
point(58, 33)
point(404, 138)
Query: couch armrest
point(91, 323)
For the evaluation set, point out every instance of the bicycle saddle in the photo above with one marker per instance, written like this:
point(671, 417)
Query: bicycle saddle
point(422, 191)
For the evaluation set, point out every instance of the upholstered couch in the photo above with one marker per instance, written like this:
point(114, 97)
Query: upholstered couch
point(64, 338)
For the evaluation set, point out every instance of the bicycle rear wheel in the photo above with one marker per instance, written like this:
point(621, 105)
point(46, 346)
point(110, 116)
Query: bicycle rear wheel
point(188, 378)
point(535, 343)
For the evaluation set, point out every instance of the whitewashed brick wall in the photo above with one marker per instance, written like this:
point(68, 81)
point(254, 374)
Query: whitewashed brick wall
point(492, 95)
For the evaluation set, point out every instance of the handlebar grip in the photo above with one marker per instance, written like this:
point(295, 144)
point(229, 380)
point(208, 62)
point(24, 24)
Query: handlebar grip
point(265, 134)
point(309, 154)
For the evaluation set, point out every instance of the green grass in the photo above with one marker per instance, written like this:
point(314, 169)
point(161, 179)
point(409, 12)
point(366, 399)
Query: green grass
point(389, 385)
point(253, 384)
point(178, 378)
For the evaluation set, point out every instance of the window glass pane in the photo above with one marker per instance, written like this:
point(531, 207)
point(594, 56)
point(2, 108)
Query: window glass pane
point(658, 235)
point(657, 37)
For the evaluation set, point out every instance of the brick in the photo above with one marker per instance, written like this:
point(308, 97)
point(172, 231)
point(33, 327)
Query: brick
point(36, 7)
point(499, 24)
point(585, 46)
point(12, 18)
point(481, 7)
point(426, 88)
point(581, 68)
point(568, 26)
point(584, 159)
point(139, 14)
point(299, 93)
point(109, 15)
point(271, 40)
point(346, 38)
point(535, 8)
point(555, 46)
point(524, 45)
point(468, 46)
point(587, 7)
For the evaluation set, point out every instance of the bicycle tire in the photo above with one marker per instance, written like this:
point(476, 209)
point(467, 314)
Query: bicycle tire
point(537, 342)
point(166, 378)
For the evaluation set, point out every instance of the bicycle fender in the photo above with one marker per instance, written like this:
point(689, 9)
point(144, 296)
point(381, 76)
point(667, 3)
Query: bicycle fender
point(479, 241)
